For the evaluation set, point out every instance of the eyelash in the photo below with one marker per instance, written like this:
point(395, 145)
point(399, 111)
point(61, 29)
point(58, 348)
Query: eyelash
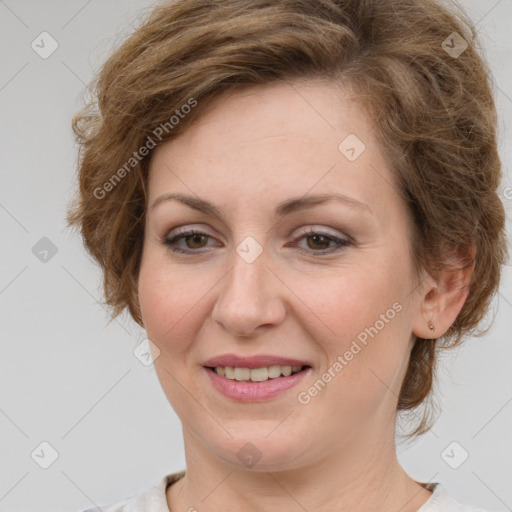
point(340, 243)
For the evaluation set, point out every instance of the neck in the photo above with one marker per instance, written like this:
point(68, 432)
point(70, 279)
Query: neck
point(344, 480)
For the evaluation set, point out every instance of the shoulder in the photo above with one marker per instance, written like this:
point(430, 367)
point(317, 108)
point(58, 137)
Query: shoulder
point(153, 499)
point(441, 501)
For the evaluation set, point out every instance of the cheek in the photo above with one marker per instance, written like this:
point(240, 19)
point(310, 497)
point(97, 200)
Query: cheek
point(175, 303)
point(171, 305)
point(167, 300)
point(361, 325)
point(346, 303)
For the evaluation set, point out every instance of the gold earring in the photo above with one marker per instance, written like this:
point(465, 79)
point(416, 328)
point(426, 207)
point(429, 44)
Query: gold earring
point(431, 326)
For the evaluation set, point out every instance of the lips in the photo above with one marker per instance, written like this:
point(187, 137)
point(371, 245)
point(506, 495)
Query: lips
point(259, 361)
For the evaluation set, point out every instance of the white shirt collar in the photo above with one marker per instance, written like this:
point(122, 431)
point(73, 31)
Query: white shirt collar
point(154, 499)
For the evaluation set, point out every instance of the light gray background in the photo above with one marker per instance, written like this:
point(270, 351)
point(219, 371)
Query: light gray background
point(68, 378)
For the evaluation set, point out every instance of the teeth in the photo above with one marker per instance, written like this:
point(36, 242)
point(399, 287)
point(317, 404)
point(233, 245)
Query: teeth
point(242, 373)
point(259, 374)
point(274, 371)
point(286, 370)
point(256, 374)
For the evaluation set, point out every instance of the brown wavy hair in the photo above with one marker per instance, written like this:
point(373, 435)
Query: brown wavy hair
point(433, 113)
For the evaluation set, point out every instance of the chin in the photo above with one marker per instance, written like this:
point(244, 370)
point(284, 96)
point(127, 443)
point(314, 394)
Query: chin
point(259, 452)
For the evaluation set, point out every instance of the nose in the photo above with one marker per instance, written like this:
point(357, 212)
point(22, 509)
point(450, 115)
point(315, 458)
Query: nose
point(250, 298)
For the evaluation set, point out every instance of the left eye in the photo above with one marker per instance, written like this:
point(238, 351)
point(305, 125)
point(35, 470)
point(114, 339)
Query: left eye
point(321, 239)
point(196, 238)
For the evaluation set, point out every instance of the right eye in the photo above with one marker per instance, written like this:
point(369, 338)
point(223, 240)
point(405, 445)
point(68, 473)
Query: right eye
point(191, 235)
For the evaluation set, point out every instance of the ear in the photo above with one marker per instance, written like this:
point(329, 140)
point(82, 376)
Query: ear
point(444, 295)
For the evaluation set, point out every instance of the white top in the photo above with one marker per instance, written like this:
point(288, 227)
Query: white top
point(154, 499)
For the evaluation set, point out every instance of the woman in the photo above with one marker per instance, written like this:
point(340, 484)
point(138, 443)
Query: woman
point(297, 201)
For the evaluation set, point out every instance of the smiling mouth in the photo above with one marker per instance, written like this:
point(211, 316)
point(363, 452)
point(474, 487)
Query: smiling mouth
point(256, 374)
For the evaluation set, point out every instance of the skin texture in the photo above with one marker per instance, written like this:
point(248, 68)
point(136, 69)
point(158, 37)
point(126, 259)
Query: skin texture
point(253, 149)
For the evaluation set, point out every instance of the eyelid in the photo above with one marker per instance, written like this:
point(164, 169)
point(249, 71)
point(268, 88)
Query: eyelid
point(307, 229)
point(316, 228)
point(184, 228)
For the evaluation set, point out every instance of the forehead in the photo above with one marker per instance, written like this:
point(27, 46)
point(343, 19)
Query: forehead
point(268, 143)
point(256, 113)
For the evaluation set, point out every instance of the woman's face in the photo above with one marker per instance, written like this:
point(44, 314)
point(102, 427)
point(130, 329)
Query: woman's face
point(340, 300)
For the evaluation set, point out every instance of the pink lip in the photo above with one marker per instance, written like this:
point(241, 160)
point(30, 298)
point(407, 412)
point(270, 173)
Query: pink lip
point(248, 391)
point(260, 361)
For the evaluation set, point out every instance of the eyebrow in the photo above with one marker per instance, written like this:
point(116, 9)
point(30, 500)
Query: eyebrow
point(282, 209)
